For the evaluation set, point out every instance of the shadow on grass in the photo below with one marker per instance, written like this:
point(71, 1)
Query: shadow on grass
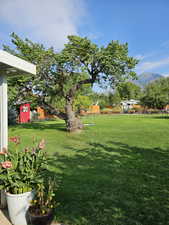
point(113, 184)
point(156, 116)
point(42, 126)
point(160, 117)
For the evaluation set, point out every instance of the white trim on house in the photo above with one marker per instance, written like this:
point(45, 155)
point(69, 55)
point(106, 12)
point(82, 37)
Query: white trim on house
point(10, 65)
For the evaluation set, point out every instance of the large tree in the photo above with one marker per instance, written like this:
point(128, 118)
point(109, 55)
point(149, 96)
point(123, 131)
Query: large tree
point(61, 75)
point(128, 90)
point(156, 94)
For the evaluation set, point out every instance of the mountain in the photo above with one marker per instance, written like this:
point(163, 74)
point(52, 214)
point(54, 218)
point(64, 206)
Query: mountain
point(145, 78)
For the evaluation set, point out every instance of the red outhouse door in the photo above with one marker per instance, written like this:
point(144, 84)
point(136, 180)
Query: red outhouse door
point(25, 113)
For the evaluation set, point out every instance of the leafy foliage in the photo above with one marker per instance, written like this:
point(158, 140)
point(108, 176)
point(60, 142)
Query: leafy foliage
point(12, 115)
point(62, 75)
point(20, 170)
point(156, 94)
point(114, 98)
point(44, 201)
point(106, 99)
point(82, 102)
point(129, 90)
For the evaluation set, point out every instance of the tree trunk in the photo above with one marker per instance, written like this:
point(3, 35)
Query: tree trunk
point(73, 123)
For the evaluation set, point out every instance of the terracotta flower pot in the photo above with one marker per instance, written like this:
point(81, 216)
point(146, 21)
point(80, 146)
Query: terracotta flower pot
point(45, 219)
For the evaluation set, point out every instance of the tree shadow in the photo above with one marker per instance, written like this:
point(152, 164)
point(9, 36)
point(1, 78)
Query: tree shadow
point(113, 184)
point(161, 117)
point(43, 126)
point(156, 116)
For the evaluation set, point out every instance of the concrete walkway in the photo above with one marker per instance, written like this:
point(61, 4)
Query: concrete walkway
point(3, 219)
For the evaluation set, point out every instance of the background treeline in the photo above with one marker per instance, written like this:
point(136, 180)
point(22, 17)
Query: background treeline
point(154, 96)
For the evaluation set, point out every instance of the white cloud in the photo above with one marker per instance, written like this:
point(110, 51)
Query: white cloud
point(94, 36)
point(145, 56)
point(49, 21)
point(140, 57)
point(165, 74)
point(147, 66)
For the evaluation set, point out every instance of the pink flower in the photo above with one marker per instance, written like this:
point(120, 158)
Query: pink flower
point(6, 164)
point(16, 140)
point(41, 144)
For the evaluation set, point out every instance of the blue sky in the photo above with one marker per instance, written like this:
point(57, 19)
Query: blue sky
point(144, 24)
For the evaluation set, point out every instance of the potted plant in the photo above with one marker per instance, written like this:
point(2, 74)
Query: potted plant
point(42, 207)
point(20, 171)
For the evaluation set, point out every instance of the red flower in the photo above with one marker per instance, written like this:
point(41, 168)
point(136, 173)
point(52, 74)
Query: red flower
point(6, 164)
point(41, 144)
point(16, 140)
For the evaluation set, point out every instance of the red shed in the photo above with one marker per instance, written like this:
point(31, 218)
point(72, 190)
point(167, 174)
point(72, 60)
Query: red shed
point(24, 116)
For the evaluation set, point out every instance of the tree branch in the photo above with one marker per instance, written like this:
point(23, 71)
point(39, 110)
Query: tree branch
point(52, 110)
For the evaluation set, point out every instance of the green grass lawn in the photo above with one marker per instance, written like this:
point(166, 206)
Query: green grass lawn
point(115, 172)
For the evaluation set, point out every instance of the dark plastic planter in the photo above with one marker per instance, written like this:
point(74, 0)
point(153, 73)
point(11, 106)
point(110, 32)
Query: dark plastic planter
point(45, 219)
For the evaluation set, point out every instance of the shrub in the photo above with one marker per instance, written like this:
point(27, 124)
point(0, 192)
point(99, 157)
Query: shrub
point(12, 115)
point(21, 170)
point(106, 111)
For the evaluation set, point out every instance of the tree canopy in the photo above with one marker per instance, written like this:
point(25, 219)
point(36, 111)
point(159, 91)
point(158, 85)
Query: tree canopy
point(128, 90)
point(156, 94)
point(61, 75)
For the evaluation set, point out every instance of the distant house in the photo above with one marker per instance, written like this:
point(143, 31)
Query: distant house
point(94, 109)
point(128, 104)
point(42, 114)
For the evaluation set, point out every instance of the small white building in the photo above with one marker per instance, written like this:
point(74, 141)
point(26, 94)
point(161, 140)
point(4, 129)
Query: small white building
point(128, 104)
